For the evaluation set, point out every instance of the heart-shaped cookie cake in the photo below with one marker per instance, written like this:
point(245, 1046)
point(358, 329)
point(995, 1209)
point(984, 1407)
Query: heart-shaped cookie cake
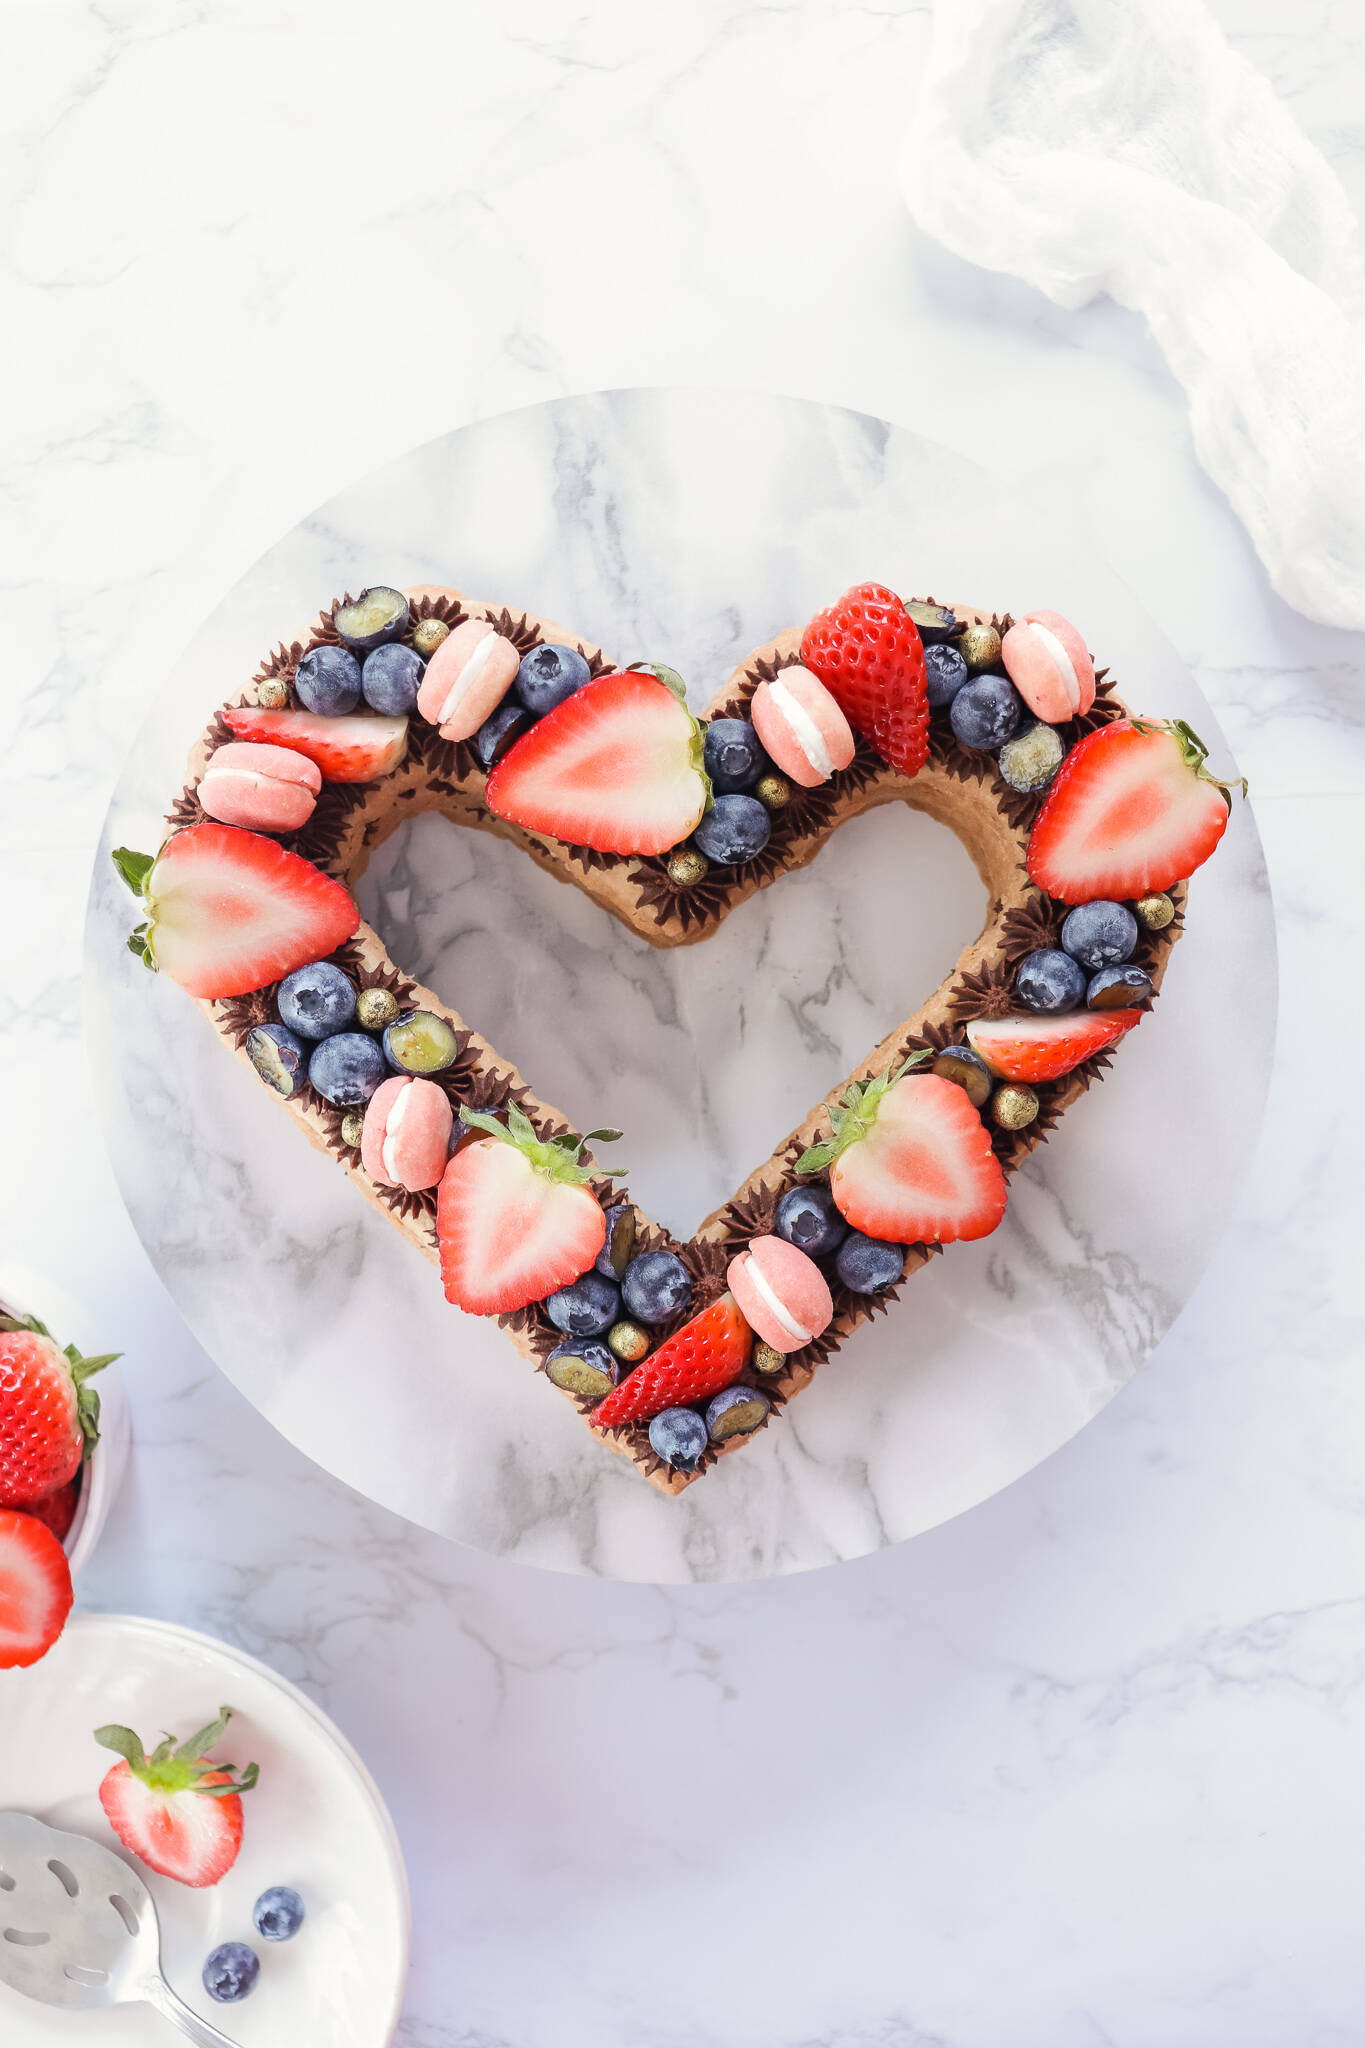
point(1084, 822)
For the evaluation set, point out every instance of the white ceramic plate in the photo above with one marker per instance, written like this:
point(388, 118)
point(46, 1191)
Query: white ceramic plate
point(315, 1821)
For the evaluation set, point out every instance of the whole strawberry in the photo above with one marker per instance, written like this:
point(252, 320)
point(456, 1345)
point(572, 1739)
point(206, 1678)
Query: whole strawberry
point(867, 651)
point(176, 1809)
point(49, 1414)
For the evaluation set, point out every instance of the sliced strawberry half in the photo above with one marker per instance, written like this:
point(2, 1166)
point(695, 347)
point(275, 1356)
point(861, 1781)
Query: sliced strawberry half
point(515, 1215)
point(1133, 808)
point(700, 1359)
point(867, 651)
point(350, 749)
point(177, 1811)
point(35, 1589)
point(230, 911)
point(1034, 1048)
point(910, 1160)
point(617, 766)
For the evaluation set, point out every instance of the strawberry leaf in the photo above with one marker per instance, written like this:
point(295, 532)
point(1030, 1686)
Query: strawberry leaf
point(134, 867)
point(198, 1745)
point(124, 1743)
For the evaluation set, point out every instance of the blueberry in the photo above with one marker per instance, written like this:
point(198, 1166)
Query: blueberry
point(678, 1436)
point(587, 1307)
point(736, 1412)
point(1100, 934)
point(735, 759)
point(279, 1056)
point(391, 678)
point(935, 621)
point(347, 1069)
point(548, 675)
point(378, 615)
point(656, 1287)
point(501, 731)
point(986, 712)
point(945, 671)
point(328, 681)
point(735, 831)
point(1118, 988)
point(959, 1063)
point(1049, 981)
point(316, 1001)
point(420, 1042)
point(807, 1218)
point(583, 1366)
point(866, 1265)
point(231, 1972)
point(619, 1248)
point(278, 1914)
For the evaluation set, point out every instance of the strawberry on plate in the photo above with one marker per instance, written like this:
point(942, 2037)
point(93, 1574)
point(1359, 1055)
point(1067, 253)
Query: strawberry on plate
point(867, 651)
point(56, 1511)
point(910, 1161)
point(175, 1809)
point(617, 767)
point(1036, 1048)
point(231, 911)
point(35, 1589)
point(353, 748)
point(49, 1413)
point(699, 1360)
point(515, 1214)
point(1133, 808)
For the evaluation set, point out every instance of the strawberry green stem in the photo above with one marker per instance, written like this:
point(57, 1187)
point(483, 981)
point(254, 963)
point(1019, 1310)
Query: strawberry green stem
point(170, 1769)
point(854, 1117)
point(560, 1159)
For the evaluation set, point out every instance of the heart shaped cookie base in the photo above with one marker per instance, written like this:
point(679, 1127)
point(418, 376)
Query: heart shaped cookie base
point(961, 789)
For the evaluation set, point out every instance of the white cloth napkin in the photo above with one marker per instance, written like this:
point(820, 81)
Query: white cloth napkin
point(1122, 146)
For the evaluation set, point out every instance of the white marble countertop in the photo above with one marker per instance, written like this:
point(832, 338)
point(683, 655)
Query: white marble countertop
point(1080, 1767)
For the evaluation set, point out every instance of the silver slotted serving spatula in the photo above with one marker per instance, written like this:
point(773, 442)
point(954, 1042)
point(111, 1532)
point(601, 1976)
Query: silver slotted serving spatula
point(78, 1927)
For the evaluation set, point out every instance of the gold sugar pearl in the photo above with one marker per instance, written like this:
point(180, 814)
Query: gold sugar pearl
point(773, 791)
point(427, 636)
point(1154, 913)
point(375, 1007)
point(768, 1359)
point(628, 1341)
point(273, 695)
point(979, 647)
point(687, 867)
point(1014, 1106)
point(353, 1128)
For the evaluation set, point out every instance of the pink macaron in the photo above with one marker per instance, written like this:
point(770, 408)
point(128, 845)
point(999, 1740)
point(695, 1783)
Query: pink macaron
point(267, 789)
point(781, 1293)
point(406, 1139)
point(467, 678)
point(801, 726)
point(1046, 660)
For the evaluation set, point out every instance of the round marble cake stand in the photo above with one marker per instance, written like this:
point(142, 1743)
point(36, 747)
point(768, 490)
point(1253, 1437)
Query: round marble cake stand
point(684, 526)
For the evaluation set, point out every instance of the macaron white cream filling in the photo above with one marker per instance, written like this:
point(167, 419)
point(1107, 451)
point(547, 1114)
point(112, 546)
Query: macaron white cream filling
point(1062, 662)
point(770, 1301)
point(392, 1124)
point(478, 660)
point(805, 731)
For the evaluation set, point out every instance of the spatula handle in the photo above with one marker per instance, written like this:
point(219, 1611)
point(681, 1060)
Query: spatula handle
point(158, 1993)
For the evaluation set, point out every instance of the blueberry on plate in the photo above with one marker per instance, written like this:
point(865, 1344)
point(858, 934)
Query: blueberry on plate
point(945, 671)
point(391, 678)
point(1049, 981)
point(278, 1913)
point(736, 830)
point(279, 1056)
point(316, 1001)
point(959, 1063)
point(1100, 934)
point(378, 615)
point(420, 1042)
point(807, 1218)
point(346, 1069)
point(935, 622)
point(585, 1308)
point(986, 712)
point(619, 1249)
point(655, 1287)
point(678, 1436)
point(231, 1972)
point(735, 1412)
point(735, 758)
point(583, 1366)
point(548, 675)
point(866, 1265)
point(1118, 988)
point(327, 681)
point(501, 731)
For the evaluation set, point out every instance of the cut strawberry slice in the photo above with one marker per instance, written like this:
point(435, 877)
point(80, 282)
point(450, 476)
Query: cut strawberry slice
point(350, 749)
point(515, 1215)
point(35, 1589)
point(699, 1360)
point(178, 1812)
point(1133, 809)
point(867, 651)
point(230, 911)
point(910, 1161)
point(1034, 1048)
point(617, 767)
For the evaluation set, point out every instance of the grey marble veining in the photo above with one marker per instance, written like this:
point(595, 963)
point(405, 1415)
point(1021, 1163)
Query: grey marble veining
point(686, 526)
